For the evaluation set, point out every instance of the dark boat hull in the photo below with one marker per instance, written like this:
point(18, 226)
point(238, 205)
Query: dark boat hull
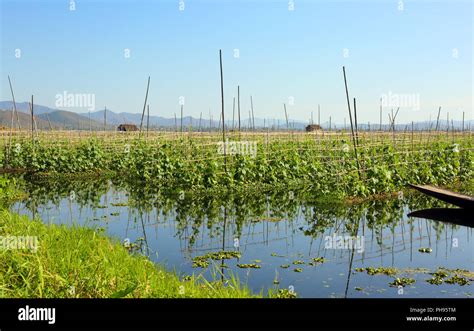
point(460, 200)
point(458, 216)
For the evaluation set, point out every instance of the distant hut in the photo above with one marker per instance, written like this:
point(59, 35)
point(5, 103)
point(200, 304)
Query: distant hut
point(313, 128)
point(127, 127)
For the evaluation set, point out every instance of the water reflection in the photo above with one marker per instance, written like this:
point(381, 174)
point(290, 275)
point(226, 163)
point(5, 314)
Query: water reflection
point(276, 228)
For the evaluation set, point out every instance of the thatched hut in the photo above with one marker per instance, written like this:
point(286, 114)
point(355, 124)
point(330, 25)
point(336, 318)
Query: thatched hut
point(313, 128)
point(127, 127)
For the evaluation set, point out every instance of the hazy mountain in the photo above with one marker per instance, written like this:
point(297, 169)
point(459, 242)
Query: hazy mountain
point(24, 119)
point(67, 119)
point(25, 108)
point(73, 120)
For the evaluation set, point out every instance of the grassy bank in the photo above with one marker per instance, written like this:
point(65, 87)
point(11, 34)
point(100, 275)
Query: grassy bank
point(79, 262)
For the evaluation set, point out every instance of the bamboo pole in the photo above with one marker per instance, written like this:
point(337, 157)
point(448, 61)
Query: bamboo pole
point(147, 120)
point(14, 104)
point(253, 117)
point(32, 122)
point(286, 117)
point(222, 107)
point(437, 119)
point(144, 106)
point(238, 104)
point(350, 118)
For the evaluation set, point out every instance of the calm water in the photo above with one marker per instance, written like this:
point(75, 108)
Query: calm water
point(275, 230)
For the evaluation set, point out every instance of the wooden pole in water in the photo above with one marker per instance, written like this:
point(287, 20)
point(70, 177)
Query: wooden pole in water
point(437, 119)
point(147, 119)
point(350, 118)
point(14, 104)
point(355, 122)
point(181, 119)
point(238, 104)
point(380, 127)
point(319, 116)
point(253, 116)
point(222, 107)
point(200, 118)
point(144, 105)
point(175, 124)
point(32, 121)
point(210, 120)
point(233, 113)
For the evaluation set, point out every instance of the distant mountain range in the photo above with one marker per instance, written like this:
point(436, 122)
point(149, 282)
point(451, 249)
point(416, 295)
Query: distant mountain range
point(61, 119)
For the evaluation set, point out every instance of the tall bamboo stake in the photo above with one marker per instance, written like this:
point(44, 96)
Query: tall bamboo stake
point(437, 119)
point(350, 119)
point(181, 120)
point(222, 107)
point(147, 119)
point(238, 104)
point(233, 113)
point(14, 104)
point(200, 119)
point(253, 117)
point(32, 121)
point(144, 106)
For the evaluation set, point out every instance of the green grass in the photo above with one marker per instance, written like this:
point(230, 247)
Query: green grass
point(77, 262)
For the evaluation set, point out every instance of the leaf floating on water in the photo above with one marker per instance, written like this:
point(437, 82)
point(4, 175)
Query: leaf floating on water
point(316, 261)
point(249, 266)
point(119, 204)
point(425, 250)
point(457, 280)
point(203, 260)
point(298, 270)
point(298, 262)
point(275, 254)
point(402, 282)
point(388, 271)
point(285, 294)
point(285, 266)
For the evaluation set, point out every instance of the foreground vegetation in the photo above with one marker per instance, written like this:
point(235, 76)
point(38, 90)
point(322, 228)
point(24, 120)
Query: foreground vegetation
point(83, 263)
point(324, 165)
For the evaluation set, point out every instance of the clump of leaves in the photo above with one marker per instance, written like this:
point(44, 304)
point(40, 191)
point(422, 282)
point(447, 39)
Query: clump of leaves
point(438, 277)
point(402, 282)
point(285, 294)
point(298, 262)
point(202, 261)
point(298, 270)
point(388, 271)
point(316, 260)
point(425, 250)
point(285, 266)
point(249, 266)
point(456, 279)
point(358, 288)
point(119, 204)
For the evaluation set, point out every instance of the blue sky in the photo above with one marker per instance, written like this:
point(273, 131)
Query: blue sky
point(284, 55)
